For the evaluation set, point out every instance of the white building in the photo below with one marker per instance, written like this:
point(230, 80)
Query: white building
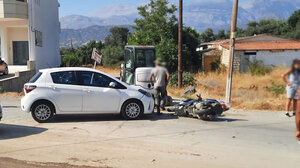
point(30, 32)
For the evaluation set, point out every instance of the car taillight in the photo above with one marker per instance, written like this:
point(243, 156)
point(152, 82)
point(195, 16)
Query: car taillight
point(224, 107)
point(29, 88)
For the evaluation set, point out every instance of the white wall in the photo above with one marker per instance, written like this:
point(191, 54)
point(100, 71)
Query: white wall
point(44, 17)
point(277, 57)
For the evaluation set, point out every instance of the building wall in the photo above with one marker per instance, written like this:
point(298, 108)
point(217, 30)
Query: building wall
point(270, 58)
point(15, 34)
point(13, 9)
point(13, 25)
point(44, 18)
point(225, 59)
point(276, 58)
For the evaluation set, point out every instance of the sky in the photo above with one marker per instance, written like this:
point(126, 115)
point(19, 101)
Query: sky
point(86, 7)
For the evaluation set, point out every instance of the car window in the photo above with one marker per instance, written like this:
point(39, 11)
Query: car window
point(129, 59)
point(101, 80)
point(66, 77)
point(35, 77)
point(87, 78)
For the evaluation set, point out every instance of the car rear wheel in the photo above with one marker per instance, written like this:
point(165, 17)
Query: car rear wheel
point(5, 71)
point(42, 112)
point(132, 110)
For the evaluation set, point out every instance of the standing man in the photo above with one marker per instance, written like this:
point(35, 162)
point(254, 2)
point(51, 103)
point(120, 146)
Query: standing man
point(161, 76)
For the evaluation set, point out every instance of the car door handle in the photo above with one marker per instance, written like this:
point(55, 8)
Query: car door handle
point(52, 87)
point(87, 90)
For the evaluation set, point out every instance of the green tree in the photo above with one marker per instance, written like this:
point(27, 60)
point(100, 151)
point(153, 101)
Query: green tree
point(221, 35)
point(294, 20)
point(208, 35)
point(294, 24)
point(157, 26)
point(113, 52)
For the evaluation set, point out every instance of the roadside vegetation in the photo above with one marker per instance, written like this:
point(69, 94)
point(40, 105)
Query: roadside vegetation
point(250, 92)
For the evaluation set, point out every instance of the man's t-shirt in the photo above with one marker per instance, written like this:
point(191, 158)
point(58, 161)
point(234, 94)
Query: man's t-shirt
point(160, 75)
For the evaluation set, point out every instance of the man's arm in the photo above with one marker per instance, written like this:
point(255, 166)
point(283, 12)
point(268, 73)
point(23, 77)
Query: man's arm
point(298, 120)
point(168, 76)
point(151, 79)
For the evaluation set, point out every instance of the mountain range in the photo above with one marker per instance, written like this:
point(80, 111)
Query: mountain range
point(200, 14)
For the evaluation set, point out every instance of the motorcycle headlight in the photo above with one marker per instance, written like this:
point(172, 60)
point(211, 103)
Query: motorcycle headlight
point(144, 92)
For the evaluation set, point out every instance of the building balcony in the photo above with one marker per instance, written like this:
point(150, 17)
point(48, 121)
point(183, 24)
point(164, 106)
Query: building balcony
point(13, 9)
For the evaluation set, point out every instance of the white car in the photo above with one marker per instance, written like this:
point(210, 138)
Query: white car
point(0, 111)
point(82, 91)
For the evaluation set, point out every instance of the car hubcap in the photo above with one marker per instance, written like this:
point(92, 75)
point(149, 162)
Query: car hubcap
point(42, 112)
point(133, 110)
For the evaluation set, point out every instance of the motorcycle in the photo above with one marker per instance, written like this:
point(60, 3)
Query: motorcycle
point(206, 109)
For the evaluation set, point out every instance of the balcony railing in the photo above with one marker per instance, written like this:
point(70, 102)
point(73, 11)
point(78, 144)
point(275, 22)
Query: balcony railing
point(10, 9)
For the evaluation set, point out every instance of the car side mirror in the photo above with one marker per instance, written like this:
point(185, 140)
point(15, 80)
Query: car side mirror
point(112, 85)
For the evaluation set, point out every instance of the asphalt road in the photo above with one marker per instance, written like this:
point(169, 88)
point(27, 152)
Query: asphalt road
point(238, 139)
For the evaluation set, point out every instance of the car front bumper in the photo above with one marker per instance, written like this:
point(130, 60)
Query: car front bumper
point(25, 105)
point(148, 104)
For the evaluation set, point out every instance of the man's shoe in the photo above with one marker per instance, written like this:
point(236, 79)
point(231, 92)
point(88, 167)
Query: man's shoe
point(158, 113)
point(287, 114)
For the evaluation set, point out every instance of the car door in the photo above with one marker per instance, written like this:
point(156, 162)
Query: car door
point(65, 91)
point(97, 95)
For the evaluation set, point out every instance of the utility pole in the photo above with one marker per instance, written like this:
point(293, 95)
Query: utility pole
point(232, 49)
point(180, 44)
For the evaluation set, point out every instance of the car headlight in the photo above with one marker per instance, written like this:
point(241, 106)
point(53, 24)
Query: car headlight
point(144, 92)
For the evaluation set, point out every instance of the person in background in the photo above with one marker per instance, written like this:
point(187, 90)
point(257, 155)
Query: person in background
point(291, 78)
point(297, 117)
point(161, 76)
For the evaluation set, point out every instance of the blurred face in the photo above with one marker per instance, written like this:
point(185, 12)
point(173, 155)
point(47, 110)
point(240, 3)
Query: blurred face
point(297, 66)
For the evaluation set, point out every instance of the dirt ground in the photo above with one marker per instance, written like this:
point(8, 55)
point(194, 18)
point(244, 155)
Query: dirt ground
point(237, 139)
point(11, 163)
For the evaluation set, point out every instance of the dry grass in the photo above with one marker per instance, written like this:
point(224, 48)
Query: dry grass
point(12, 94)
point(248, 91)
point(109, 70)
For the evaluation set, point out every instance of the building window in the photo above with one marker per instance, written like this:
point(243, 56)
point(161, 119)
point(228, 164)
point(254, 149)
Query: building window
point(38, 38)
point(250, 53)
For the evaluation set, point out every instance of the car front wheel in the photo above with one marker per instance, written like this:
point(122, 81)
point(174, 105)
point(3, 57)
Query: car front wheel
point(42, 112)
point(132, 110)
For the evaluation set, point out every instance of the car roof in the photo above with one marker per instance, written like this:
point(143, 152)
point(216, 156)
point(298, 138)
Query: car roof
point(74, 69)
point(69, 69)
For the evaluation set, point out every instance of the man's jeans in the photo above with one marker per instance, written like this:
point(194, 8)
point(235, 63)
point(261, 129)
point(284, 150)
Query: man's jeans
point(160, 94)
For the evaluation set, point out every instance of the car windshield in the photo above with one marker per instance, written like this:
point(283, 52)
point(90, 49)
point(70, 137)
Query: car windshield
point(145, 58)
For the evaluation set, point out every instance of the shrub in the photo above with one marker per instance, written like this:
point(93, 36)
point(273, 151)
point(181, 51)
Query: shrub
point(1, 90)
point(276, 89)
point(70, 60)
point(217, 66)
point(257, 67)
point(187, 79)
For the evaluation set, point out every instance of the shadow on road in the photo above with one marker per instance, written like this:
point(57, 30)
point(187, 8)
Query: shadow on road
point(227, 120)
point(107, 117)
point(8, 131)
